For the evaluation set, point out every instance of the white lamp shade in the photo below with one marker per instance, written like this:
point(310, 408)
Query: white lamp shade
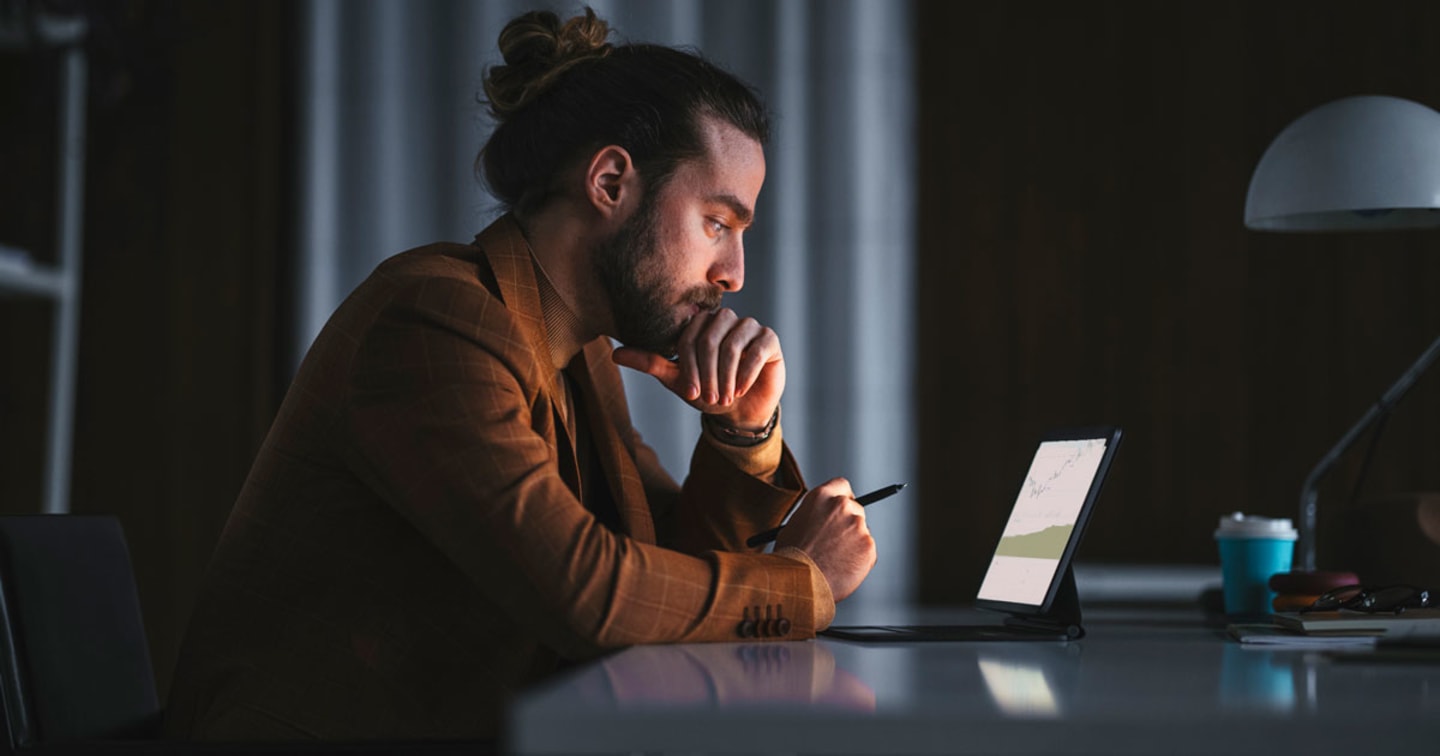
point(1358, 163)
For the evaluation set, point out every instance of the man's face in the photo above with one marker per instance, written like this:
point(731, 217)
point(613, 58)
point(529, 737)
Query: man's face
point(681, 248)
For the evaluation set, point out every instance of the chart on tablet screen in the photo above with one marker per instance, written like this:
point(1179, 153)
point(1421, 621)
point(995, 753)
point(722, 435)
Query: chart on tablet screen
point(1042, 520)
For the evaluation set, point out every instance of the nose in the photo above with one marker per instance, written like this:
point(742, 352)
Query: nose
point(728, 271)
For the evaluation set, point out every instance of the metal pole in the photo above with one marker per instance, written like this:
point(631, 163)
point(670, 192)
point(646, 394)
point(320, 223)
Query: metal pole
point(1308, 496)
point(66, 330)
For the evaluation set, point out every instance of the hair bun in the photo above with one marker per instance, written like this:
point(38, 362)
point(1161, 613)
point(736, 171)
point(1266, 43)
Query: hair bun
point(538, 49)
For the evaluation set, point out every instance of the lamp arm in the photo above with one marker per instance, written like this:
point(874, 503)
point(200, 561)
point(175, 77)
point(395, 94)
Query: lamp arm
point(1382, 406)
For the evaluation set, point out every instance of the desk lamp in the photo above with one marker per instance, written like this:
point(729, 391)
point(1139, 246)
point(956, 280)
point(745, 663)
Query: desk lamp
point(1355, 164)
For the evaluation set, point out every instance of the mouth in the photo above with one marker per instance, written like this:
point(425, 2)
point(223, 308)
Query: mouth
point(707, 301)
point(698, 307)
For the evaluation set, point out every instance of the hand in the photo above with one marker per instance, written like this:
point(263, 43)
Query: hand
point(830, 527)
point(726, 366)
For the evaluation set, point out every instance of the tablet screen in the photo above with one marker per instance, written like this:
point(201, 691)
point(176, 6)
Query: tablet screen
point(1049, 508)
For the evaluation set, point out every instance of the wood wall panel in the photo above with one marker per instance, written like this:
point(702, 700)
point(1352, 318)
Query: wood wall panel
point(1083, 259)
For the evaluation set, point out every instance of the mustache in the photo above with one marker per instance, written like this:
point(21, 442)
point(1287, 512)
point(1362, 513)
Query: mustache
point(707, 297)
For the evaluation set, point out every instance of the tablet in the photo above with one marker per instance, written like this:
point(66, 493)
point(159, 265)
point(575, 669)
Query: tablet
point(1047, 520)
point(1029, 577)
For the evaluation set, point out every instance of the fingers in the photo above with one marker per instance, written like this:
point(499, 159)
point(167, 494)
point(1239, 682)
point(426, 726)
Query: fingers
point(830, 527)
point(834, 499)
point(835, 488)
point(837, 493)
point(719, 358)
point(650, 363)
point(724, 354)
point(688, 382)
point(763, 350)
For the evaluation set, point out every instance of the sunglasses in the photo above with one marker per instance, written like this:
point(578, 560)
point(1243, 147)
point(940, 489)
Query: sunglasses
point(1359, 598)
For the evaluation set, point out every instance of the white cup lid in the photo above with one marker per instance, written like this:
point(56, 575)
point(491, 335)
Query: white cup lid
point(1239, 525)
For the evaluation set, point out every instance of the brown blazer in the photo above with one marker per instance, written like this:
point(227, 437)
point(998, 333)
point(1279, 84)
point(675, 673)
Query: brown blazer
point(410, 548)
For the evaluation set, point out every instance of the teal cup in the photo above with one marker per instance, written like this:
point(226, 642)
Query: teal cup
point(1251, 550)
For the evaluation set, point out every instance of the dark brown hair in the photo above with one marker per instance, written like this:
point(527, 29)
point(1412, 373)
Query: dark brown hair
point(564, 91)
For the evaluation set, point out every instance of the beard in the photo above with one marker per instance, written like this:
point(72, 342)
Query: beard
point(630, 266)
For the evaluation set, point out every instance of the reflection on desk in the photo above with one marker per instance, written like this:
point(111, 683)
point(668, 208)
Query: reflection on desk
point(724, 675)
point(1142, 681)
point(1023, 682)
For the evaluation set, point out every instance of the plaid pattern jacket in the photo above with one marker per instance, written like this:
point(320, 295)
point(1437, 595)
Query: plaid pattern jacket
point(410, 548)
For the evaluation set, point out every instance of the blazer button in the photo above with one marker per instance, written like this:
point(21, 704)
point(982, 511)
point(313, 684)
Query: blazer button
point(746, 628)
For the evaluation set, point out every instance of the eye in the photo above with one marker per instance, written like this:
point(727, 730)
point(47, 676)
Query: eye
point(715, 226)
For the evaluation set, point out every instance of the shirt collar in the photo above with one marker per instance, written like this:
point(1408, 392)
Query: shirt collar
point(564, 333)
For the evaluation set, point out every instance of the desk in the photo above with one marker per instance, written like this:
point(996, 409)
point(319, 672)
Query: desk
point(1140, 682)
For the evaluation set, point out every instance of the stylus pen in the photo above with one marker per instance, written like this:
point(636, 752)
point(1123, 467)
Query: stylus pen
point(866, 500)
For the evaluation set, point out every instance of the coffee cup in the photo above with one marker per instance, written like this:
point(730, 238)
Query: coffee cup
point(1252, 549)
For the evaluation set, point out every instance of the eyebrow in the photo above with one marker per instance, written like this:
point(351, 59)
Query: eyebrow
point(742, 212)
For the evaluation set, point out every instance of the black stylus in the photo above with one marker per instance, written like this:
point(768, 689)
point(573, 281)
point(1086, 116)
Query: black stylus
point(870, 498)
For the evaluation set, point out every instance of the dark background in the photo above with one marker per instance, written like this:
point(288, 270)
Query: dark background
point(1082, 259)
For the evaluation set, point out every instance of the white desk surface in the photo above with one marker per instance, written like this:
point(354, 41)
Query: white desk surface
point(1151, 681)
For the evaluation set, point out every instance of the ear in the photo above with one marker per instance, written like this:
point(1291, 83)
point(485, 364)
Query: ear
point(611, 180)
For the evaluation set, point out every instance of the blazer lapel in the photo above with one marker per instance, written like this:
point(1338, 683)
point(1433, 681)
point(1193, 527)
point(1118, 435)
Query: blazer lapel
point(514, 267)
point(599, 396)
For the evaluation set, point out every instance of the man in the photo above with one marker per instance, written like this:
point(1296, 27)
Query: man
point(452, 502)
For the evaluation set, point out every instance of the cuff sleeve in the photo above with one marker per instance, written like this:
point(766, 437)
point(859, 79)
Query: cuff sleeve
point(761, 460)
point(824, 603)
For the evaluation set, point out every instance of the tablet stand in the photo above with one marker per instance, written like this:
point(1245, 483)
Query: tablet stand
point(1060, 623)
point(1063, 617)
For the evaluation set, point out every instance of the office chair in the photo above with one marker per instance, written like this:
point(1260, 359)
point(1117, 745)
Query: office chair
point(74, 662)
point(75, 674)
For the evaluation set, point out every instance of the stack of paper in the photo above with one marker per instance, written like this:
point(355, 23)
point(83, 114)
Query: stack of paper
point(1339, 628)
point(1274, 635)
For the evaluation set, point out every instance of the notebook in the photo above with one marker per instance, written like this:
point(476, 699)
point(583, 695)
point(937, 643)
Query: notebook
point(1029, 579)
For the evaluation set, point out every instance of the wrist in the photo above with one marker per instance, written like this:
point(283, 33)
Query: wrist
point(738, 435)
